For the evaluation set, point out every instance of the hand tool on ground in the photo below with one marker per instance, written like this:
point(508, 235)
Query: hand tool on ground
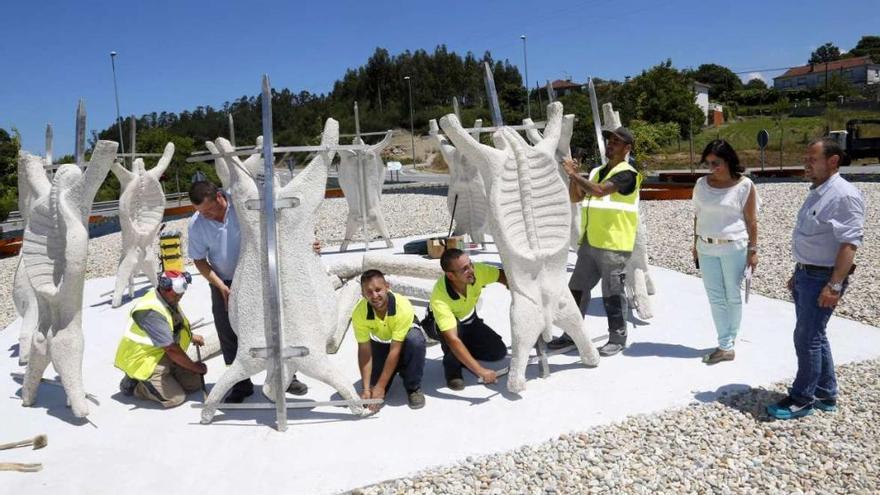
point(38, 442)
point(20, 467)
point(202, 377)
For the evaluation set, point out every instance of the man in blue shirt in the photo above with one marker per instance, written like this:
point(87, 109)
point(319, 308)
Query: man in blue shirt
point(829, 229)
point(213, 244)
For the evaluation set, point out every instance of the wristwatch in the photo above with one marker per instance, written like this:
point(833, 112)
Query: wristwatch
point(837, 288)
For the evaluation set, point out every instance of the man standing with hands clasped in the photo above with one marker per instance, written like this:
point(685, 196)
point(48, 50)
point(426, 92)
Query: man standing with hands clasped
point(829, 229)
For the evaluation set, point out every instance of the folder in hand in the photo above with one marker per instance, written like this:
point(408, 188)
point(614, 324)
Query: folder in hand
point(747, 276)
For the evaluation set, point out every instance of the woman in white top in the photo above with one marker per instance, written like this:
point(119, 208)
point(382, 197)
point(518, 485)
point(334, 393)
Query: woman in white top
point(725, 240)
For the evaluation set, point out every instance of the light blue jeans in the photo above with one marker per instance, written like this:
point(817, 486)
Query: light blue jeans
point(722, 276)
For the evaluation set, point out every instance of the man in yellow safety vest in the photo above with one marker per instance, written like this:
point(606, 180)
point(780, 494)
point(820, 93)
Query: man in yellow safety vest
point(152, 352)
point(609, 218)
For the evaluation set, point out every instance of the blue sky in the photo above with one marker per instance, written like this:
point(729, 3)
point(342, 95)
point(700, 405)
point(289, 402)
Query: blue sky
point(176, 55)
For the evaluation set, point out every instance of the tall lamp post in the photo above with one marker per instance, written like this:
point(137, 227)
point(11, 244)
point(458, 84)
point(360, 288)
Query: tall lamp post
point(412, 132)
point(526, 64)
point(116, 92)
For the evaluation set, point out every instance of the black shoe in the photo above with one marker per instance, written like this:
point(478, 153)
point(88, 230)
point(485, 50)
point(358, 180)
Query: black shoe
point(416, 399)
point(611, 348)
point(237, 396)
point(127, 385)
point(297, 387)
point(826, 405)
point(560, 342)
point(455, 383)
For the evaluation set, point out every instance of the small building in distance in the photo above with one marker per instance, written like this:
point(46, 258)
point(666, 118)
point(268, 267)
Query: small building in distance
point(858, 71)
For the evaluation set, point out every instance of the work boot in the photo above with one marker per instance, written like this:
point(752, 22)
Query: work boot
point(297, 387)
point(127, 385)
point(560, 342)
point(455, 383)
point(719, 355)
point(416, 399)
point(238, 395)
point(611, 348)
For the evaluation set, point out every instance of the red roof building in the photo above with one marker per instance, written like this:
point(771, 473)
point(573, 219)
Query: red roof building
point(859, 71)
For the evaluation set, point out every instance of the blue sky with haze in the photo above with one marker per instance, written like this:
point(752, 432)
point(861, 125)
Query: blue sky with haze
point(178, 55)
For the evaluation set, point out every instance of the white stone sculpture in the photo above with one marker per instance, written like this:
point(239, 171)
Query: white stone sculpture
point(563, 152)
point(54, 253)
point(467, 192)
point(530, 219)
point(141, 209)
point(306, 290)
point(350, 182)
point(30, 170)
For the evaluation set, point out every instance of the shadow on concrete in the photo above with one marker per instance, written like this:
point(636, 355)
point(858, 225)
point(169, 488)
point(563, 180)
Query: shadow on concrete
point(645, 349)
point(54, 401)
point(14, 350)
point(125, 299)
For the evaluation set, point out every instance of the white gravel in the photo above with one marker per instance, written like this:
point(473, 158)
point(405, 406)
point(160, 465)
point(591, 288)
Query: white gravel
point(721, 446)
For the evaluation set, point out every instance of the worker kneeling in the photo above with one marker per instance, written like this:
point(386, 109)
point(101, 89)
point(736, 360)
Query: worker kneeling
point(152, 352)
point(390, 341)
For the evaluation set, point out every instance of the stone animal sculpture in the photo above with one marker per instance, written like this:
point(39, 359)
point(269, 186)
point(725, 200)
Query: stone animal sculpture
point(141, 209)
point(306, 290)
point(31, 170)
point(350, 182)
point(54, 253)
point(563, 152)
point(467, 192)
point(530, 220)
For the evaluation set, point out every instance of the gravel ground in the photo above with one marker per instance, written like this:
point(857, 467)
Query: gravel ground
point(723, 445)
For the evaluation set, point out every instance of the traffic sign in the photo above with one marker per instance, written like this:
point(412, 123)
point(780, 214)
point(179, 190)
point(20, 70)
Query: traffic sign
point(763, 138)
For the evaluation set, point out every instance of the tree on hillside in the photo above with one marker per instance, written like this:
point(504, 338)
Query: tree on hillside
point(868, 45)
point(825, 53)
point(9, 146)
point(719, 78)
point(755, 83)
point(660, 94)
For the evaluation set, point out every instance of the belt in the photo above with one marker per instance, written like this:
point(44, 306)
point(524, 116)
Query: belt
point(710, 240)
point(817, 268)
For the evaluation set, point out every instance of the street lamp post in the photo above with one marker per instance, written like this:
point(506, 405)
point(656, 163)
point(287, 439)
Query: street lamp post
point(116, 92)
point(526, 64)
point(412, 132)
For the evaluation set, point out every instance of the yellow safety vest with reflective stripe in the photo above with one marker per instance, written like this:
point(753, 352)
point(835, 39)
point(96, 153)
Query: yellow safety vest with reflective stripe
point(610, 222)
point(136, 354)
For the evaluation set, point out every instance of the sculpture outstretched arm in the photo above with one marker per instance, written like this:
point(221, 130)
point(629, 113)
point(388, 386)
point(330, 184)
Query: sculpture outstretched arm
point(255, 160)
point(309, 184)
point(477, 125)
point(99, 164)
point(157, 171)
point(533, 134)
point(381, 145)
point(469, 146)
point(123, 174)
point(563, 149)
point(220, 165)
point(30, 168)
point(234, 165)
point(553, 130)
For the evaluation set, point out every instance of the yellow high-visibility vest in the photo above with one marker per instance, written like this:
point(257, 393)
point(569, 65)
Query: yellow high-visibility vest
point(610, 222)
point(136, 354)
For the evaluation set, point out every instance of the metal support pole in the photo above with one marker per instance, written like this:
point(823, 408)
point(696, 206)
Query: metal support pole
point(79, 148)
point(362, 176)
point(412, 130)
point(116, 92)
point(271, 301)
point(133, 133)
point(231, 130)
point(526, 63)
point(494, 107)
point(49, 145)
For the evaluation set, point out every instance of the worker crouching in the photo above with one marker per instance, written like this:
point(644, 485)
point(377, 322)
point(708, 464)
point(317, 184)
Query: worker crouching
point(152, 352)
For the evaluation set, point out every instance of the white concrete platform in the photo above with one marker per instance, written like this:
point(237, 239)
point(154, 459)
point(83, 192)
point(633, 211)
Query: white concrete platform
point(131, 447)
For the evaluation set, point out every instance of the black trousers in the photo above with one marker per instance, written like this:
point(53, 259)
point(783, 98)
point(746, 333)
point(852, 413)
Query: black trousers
point(228, 338)
point(479, 339)
point(411, 364)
